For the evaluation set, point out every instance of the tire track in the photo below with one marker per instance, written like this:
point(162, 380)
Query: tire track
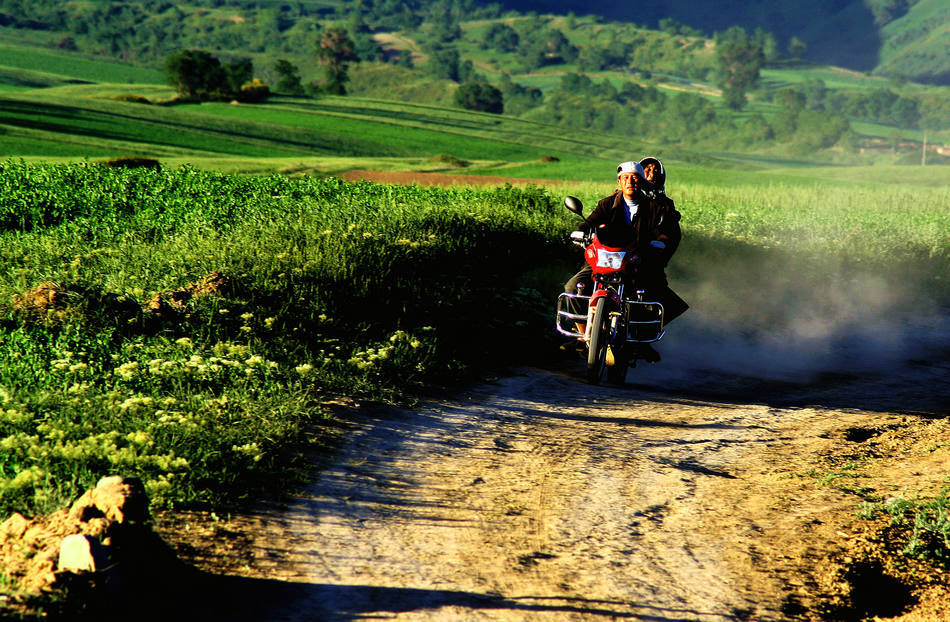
point(535, 498)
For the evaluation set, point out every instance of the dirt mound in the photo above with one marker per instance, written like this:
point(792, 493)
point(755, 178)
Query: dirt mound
point(448, 160)
point(29, 548)
point(53, 302)
point(86, 558)
point(172, 302)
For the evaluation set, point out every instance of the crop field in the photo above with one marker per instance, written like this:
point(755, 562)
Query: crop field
point(84, 121)
point(75, 68)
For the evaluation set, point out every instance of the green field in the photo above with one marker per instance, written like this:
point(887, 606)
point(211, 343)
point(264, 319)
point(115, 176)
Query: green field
point(73, 68)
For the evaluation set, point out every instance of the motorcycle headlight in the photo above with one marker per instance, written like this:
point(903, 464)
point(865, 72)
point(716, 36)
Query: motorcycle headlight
point(610, 259)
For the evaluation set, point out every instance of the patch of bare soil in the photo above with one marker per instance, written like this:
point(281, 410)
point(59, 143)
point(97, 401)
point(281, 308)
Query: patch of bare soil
point(435, 179)
point(540, 497)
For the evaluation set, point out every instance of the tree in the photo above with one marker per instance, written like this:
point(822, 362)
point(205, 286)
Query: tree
point(444, 63)
point(194, 73)
point(796, 48)
point(596, 57)
point(445, 27)
point(288, 80)
point(480, 96)
point(934, 113)
point(546, 46)
point(335, 52)
point(500, 37)
point(364, 45)
point(768, 43)
point(518, 98)
point(739, 59)
point(238, 74)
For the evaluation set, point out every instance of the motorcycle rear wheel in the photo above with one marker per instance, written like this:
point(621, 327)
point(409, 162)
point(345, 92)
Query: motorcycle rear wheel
point(597, 347)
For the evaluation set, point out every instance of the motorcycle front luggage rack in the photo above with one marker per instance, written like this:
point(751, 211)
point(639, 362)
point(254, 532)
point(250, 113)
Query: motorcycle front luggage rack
point(644, 324)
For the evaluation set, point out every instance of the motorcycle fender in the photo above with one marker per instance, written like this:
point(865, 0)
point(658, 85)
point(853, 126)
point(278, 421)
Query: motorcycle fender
point(597, 295)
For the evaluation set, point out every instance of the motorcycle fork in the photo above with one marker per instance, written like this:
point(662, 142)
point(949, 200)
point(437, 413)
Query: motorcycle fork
point(617, 317)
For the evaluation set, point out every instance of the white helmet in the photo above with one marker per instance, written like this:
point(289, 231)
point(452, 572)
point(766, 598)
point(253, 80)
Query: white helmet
point(630, 167)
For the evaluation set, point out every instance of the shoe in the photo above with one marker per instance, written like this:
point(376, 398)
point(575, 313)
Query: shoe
point(645, 352)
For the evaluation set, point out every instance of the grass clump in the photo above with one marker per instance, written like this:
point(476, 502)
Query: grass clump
point(923, 524)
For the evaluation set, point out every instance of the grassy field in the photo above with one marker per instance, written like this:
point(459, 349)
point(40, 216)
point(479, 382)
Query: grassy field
point(203, 400)
point(86, 121)
point(73, 68)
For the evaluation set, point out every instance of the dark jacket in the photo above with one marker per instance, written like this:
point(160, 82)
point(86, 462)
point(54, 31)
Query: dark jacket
point(655, 220)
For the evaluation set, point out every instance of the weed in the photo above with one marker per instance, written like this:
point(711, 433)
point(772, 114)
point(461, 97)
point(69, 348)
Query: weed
point(925, 522)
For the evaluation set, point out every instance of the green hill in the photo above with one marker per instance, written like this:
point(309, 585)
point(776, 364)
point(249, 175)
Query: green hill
point(908, 38)
point(72, 122)
point(605, 79)
point(916, 45)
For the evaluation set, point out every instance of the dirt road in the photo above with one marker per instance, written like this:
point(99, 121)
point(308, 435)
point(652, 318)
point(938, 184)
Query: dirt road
point(538, 497)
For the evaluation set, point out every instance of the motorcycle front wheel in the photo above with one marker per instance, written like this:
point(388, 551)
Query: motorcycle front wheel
point(597, 347)
point(617, 373)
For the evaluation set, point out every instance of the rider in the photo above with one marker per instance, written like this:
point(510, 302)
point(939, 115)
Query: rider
point(668, 233)
point(654, 172)
point(631, 216)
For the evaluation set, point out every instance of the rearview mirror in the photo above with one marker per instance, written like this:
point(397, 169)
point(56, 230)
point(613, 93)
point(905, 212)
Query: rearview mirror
point(574, 204)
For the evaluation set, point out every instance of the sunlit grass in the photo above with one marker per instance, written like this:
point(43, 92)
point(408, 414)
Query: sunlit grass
point(333, 288)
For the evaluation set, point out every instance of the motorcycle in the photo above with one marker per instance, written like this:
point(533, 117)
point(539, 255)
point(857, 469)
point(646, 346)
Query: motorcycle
point(616, 322)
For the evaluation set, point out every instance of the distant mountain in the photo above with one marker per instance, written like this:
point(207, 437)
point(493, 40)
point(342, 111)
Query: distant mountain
point(908, 38)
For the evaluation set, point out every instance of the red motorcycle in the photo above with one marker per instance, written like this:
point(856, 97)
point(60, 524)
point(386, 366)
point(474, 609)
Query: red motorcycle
point(616, 322)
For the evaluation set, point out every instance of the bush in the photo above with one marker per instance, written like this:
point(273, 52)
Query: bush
point(132, 162)
point(480, 96)
point(135, 99)
point(254, 91)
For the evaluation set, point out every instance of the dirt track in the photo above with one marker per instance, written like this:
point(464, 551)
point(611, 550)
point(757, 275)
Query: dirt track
point(538, 497)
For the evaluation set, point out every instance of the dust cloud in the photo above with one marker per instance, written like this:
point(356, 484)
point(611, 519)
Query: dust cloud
point(779, 317)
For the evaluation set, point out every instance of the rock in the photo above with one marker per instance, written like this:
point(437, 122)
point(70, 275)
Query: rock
point(14, 527)
point(82, 553)
point(122, 499)
point(95, 527)
point(84, 508)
